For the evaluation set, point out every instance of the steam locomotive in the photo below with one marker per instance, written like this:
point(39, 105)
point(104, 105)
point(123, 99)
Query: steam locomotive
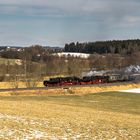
point(87, 80)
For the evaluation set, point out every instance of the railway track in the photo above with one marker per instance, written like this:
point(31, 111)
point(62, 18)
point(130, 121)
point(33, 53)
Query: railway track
point(65, 87)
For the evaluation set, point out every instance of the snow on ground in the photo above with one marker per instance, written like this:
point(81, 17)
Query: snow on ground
point(20, 128)
point(135, 90)
point(31, 132)
point(72, 54)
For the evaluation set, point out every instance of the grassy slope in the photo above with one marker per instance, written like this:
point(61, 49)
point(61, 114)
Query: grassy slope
point(99, 116)
point(5, 61)
point(111, 101)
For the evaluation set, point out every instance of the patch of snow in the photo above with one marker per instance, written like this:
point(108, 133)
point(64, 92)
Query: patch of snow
point(135, 90)
point(93, 101)
point(72, 54)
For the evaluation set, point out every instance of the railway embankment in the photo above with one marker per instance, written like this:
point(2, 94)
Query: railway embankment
point(106, 88)
point(71, 90)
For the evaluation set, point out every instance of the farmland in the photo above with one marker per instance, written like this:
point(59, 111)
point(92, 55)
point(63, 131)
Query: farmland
point(110, 115)
point(9, 61)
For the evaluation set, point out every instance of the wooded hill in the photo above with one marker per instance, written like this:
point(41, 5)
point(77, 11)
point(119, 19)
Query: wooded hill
point(102, 47)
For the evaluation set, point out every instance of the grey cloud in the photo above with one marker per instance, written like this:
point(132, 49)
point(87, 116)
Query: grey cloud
point(108, 14)
point(116, 8)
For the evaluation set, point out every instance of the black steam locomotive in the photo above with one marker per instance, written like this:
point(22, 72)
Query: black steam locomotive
point(87, 80)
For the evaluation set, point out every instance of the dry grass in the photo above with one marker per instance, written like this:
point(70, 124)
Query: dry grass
point(70, 117)
point(72, 90)
point(61, 90)
point(100, 88)
point(6, 85)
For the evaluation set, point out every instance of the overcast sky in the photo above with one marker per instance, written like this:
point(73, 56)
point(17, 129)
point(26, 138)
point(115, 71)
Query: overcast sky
point(56, 22)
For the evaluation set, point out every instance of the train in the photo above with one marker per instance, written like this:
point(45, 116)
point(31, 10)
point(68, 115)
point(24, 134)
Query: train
point(86, 80)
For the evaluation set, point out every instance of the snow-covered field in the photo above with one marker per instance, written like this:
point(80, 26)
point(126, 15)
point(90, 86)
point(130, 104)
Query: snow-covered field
point(72, 54)
point(135, 90)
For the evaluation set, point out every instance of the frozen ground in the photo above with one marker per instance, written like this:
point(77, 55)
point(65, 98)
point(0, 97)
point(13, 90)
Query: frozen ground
point(104, 116)
point(135, 90)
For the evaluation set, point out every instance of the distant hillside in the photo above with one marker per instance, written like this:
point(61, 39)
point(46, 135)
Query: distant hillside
point(5, 48)
point(33, 52)
point(102, 47)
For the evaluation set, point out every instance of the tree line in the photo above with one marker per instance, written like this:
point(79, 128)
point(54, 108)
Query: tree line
point(103, 47)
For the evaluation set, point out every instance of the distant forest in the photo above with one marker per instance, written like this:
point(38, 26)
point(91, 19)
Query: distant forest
point(104, 47)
